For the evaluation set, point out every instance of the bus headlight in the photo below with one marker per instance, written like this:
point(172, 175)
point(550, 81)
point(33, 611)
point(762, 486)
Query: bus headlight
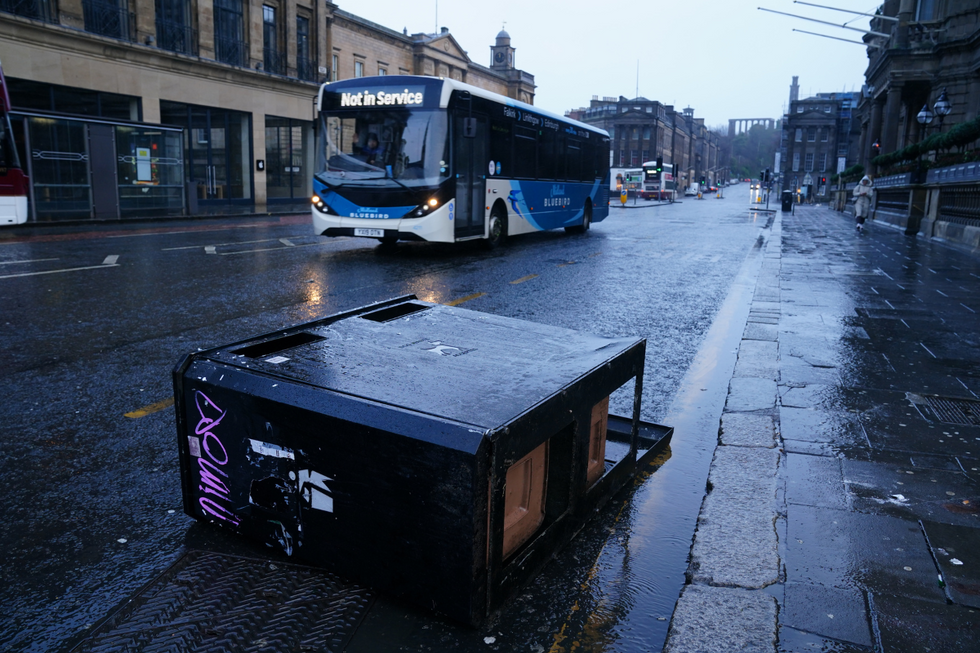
point(424, 209)
point(320, 205)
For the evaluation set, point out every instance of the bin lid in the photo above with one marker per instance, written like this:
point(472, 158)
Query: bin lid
point(458, 364)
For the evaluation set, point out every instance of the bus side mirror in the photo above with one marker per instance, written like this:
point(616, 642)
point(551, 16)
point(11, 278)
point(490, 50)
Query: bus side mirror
point(469, 127)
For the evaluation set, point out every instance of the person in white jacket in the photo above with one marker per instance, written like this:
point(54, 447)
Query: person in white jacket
point(863, 193)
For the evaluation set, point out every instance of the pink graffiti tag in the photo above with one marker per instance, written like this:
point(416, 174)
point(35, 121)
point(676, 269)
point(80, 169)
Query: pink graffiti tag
point(214, 456)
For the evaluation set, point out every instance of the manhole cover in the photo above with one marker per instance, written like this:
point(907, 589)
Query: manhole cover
point(214, 602)
point(951, 410)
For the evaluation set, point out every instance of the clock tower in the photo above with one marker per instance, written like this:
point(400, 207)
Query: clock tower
point(502, 54)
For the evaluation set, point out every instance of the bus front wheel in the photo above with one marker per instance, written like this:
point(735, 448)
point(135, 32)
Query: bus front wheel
point(498, 228)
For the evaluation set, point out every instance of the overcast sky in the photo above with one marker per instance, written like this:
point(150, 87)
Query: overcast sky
point(724, 58)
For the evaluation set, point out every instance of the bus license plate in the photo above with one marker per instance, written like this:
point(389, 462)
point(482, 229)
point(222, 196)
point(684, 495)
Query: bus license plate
point(372, 233)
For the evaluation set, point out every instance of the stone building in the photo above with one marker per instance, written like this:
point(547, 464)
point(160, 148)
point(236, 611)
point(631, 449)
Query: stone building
point(136, 108)
point(641, 130)
point(816, 133)
point(929, 47)
point(932, 46)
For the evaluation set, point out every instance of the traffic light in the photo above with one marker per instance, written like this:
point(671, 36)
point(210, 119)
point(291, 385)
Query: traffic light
point(702, 181)
point(823, 180)
point(660, 164)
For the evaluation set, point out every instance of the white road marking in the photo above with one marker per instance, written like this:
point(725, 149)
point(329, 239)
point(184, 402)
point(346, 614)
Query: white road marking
point(111, 259)
point(34, 274)
point(210, 249)
point(287, 242)
point(36, 260)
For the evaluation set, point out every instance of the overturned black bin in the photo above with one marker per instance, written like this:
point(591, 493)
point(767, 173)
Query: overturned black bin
point(439, 454)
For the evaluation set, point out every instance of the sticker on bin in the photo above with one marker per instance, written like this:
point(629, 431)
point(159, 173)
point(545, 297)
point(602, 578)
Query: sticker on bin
point(373, 233)
point(275, 360)
point(268, 449)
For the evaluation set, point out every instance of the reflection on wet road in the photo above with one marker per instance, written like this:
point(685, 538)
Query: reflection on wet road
point(91, 507)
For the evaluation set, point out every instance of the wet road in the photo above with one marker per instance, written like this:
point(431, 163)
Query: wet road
point(93, 320)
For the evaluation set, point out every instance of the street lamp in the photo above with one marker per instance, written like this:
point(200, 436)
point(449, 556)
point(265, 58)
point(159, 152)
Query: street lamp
point(925, 116)
point(942, 107)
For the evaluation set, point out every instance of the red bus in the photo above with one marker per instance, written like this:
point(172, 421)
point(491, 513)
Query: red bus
point(13, 181)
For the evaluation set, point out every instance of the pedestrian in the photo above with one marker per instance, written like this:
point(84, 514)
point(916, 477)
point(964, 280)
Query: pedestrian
point(863, 193)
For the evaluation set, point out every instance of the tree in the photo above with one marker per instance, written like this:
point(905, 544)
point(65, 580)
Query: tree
point(753, 150)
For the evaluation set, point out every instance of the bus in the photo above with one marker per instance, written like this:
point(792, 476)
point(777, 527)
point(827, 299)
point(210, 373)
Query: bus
point(429, 159)
point(13, 181)
point(658, 185)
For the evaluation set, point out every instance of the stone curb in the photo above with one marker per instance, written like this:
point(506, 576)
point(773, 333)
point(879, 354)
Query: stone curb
point(735, 550)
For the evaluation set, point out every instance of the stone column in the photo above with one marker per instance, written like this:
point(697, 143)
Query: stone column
point(289, 9)
point(258, 152)
point(70, 14)
point(205, 29)
point(146, 22)
point(890, 120)
point(253, 34)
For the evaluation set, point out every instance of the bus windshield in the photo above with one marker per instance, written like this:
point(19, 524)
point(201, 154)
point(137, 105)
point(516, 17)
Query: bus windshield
point(383, 148)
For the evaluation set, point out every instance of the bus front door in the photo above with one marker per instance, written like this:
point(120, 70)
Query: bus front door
point(471, 170)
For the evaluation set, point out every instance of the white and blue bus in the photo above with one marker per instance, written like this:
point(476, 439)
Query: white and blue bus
point(423, 158)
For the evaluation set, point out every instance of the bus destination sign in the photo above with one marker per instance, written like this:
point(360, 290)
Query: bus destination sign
point(406, 97)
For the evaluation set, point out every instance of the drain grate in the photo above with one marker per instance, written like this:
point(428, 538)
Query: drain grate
point(214, 602)
point(953, 410)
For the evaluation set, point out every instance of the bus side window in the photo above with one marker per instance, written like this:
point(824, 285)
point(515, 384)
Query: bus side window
point(588, 160)
point(574, 160)
point(500, 146)
point(561, 153)
point(547, 158)
point(525, 152)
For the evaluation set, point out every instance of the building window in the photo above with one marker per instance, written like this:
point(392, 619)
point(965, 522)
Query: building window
point(646, 133)
point(796, 161)
point(174, 31)
point(799, 135)
point(289, 158)
point(823, 162)
point(842, 149)
point(799, 108)
point(824, 135)
point(108, 18)
point(69, 99)
point(333, 69)
point(305, 69)
point(229, 45)
point(827, 109)
point(808, 166)
point(271, 58)
point(382, 70)
point(45, 10)
point(926, 10)
point(811, 134)
point(358, 69)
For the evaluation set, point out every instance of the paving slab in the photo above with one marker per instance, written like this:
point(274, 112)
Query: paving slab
point(722, 620)
point(739, 509)
point(747, 394)
point(815, 481)
point(747, 430)
point(757, 331)
point(834, 612)
point(757, 358)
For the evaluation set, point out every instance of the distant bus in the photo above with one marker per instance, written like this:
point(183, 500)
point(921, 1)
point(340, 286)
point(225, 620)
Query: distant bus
point(658, 185)
point(13, 181)
point(423, 158)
